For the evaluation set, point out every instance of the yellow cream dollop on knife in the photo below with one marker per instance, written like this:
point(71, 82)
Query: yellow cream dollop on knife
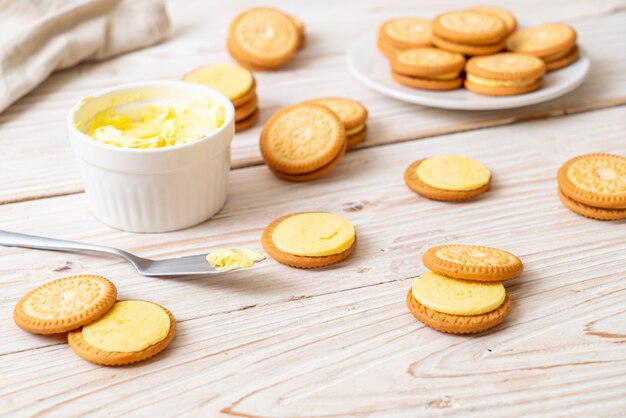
point(233, 258)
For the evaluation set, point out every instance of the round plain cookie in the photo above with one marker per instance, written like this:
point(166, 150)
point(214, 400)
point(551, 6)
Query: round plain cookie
point(564, 61)
point(406, 32)
point(248, 122)
point(596, 180)
point(231, 80)
point(245, 110)
point(356, 139)
point(415, 183)
point(457, 324)
point(542, 40)
point(591, 212)
point(303, 262)
point(507, 17)
point(302, 138)
point(469, 50)
point(427, 83)
point(506, 66)
point(423, 62)
point(84, 349)
point(314, 175)
point(470, 28)
point(351, 112)
point(263, 37)
point(473, 262)
point(64, 304)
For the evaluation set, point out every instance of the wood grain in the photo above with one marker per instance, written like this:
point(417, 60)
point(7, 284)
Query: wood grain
point(282, 342)
point(36, 160)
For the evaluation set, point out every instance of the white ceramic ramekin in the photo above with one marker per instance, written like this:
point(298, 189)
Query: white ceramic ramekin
point(159, 189)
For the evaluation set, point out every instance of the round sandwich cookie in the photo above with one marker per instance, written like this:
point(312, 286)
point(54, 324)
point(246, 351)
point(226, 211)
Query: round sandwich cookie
point(386, 49)
point(457, 306)
point(263, 38)
point(248, 122)
point(469, 50)
point(245, 110)
point(300, 29)
point(64, 304)
point(469, 28)
point(504, 74)
point(448, 178)
point(356, 135)
point(473, 262)
point(309, 240)
point(596, 180)
point(132, 331)
point(507, 17)
point(427, 83)
point(543, 41)
point(600, 214)
point(302, 138)
point(428, 62)
point(352, 113)
point(233, 81)
point(406, 32)
point(313, 175)
point(561, 60)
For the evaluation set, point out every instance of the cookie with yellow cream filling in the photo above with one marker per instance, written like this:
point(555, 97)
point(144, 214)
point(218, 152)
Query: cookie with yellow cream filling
point(473, 262)
point(469, 28)
point(387, 50)
point(312, 175)
point(233, 81)
point(132, 331)
point(406, 32)
point(248, 122)
point(356, 135)
point(506, 73)
point(64, 304)
point(246, 109)
point(428, 68)
point(468, 50)
point(550, 42)
point(353, 115)
point(309, 240)
point(427, 83)
point(562, 59)
point(507, 17)
point(448, 178)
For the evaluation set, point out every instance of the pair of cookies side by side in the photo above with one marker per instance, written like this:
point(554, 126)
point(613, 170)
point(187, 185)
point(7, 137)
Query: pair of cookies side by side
point(594, 186)
point(301, 240)
point(263, 38)
point(353, 115)
point(428, 68)
point(303, 142)
point(470, 32)
point(448, 178)
point(463, 293)
point(554, 43)
point(403, 33)
point(504, 74)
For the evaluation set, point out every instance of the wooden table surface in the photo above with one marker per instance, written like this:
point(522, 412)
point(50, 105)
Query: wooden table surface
point(280, 342)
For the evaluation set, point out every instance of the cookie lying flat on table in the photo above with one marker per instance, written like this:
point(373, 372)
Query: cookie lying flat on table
point(403, 33)
point(352, 113)
point(428, 68)
point(469, 32)
point(448, 178)
point(504, 74)
point(132, 331)
point(64, 304)
point(457, 306)
point(473, 262)
point(554, 43)
point(309, 240)
point(305, 140)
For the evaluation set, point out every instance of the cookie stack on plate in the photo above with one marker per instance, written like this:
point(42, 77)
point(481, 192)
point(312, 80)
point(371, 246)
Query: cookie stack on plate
point(403, 33)
point(463, 293)
point(554, 43)
point(594, 185)
point(264, 39)
point(236, 83)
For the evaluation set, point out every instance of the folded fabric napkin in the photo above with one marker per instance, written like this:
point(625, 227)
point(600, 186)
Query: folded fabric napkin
point(41, 36)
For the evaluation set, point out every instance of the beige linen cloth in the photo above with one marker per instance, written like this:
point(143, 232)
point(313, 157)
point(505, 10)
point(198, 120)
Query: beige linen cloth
point(38, 37)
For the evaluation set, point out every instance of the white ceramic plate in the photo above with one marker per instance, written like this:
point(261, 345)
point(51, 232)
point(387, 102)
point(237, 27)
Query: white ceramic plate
point(370, 67)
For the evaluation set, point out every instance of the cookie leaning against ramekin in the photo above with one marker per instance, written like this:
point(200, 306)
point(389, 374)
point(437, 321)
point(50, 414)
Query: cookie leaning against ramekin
point(504, 74)
point(428, 68)
point(64, 304)
point(132, 331)
point(596, 180)
point(263, 38)
point(473, 262)
point(554, 43)
point(302, 139)
point(448, 178)
point(352, 113)
point(457, 306)
point(302, 240)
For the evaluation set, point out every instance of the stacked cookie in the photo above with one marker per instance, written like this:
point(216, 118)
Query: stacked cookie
point(448, 177)
point(236, 83)
point(504, 74)
point(309, 240)
point(353, 115)
point(404, 33)
point(463, 293)
point(303, 142)
point(428, 68)
point(101, 329)
point(594, 185)
point(264, 39)
point(554, 43)
point(470, 32)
